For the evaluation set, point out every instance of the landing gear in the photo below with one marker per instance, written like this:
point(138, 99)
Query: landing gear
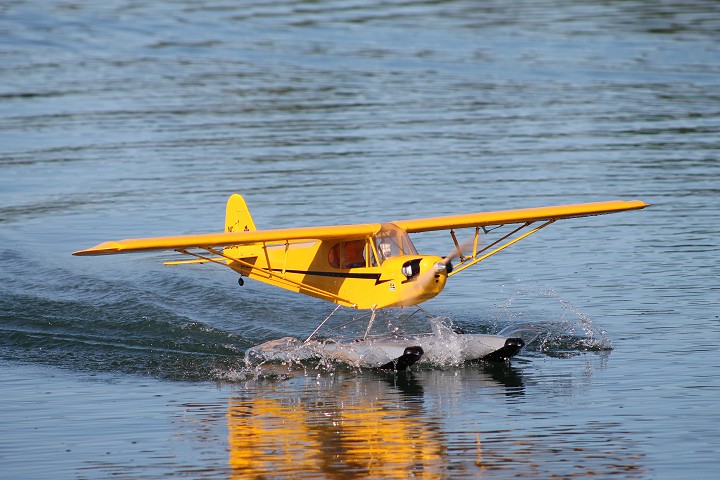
point(370, 323)
point(241, 282)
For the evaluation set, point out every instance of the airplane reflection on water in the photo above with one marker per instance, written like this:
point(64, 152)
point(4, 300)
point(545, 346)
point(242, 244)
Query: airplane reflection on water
point(376, 428)
point(428, 423)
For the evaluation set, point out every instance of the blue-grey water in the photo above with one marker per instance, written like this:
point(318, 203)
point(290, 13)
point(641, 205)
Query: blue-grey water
point(121, 119)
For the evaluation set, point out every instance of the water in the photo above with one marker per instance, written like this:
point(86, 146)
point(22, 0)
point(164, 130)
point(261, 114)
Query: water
point(121, 119)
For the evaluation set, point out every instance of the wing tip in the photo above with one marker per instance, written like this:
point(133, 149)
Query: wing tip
point(638, 204)
point(106, 248)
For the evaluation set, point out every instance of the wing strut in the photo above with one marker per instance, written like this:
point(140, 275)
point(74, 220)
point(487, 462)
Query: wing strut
point(270, 274)
point(463, 265)
point(458, 248)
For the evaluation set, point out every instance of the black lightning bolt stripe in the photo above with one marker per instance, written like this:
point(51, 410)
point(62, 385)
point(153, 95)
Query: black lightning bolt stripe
point(367, 276)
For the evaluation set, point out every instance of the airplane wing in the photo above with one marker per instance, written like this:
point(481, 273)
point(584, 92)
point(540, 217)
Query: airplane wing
point(213, 240)
point(210, 240)
point(524, 215)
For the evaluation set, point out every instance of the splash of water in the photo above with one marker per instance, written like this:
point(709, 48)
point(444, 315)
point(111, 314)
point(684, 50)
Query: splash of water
point(569, 330)
point(442, 346)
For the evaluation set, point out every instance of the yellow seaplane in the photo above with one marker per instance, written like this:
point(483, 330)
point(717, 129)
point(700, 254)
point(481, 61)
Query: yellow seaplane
point(369, 266)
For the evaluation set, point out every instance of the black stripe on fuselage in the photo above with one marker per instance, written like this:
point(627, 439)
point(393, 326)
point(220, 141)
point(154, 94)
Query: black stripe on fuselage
point(367, 276)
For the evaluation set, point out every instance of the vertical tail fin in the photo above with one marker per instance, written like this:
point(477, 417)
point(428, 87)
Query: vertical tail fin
point(237, 215)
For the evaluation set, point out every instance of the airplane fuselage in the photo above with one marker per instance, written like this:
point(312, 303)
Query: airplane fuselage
point(379, 271)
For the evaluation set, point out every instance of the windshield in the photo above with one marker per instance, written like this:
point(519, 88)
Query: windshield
point(392, 241)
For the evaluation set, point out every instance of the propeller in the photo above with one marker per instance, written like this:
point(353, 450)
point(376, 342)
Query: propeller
point(439, 267)
point(446, 263)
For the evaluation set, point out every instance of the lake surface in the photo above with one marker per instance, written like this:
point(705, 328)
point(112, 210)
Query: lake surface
point(124, 119)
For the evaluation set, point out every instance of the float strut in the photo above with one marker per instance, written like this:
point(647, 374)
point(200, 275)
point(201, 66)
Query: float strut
point(321, 324)
point(372, 319)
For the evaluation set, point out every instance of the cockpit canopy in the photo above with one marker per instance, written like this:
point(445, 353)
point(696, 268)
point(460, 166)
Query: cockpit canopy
point(392, 241)
point(389, 242)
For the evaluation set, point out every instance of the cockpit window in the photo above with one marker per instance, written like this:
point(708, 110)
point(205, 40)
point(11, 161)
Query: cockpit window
point(354, 254)
point(389, 242)
point(349, 254)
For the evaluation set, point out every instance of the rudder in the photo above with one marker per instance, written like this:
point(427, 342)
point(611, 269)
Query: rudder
point(237, 215)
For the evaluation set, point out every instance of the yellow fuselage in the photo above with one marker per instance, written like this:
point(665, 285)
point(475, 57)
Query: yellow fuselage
point(325, 270)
